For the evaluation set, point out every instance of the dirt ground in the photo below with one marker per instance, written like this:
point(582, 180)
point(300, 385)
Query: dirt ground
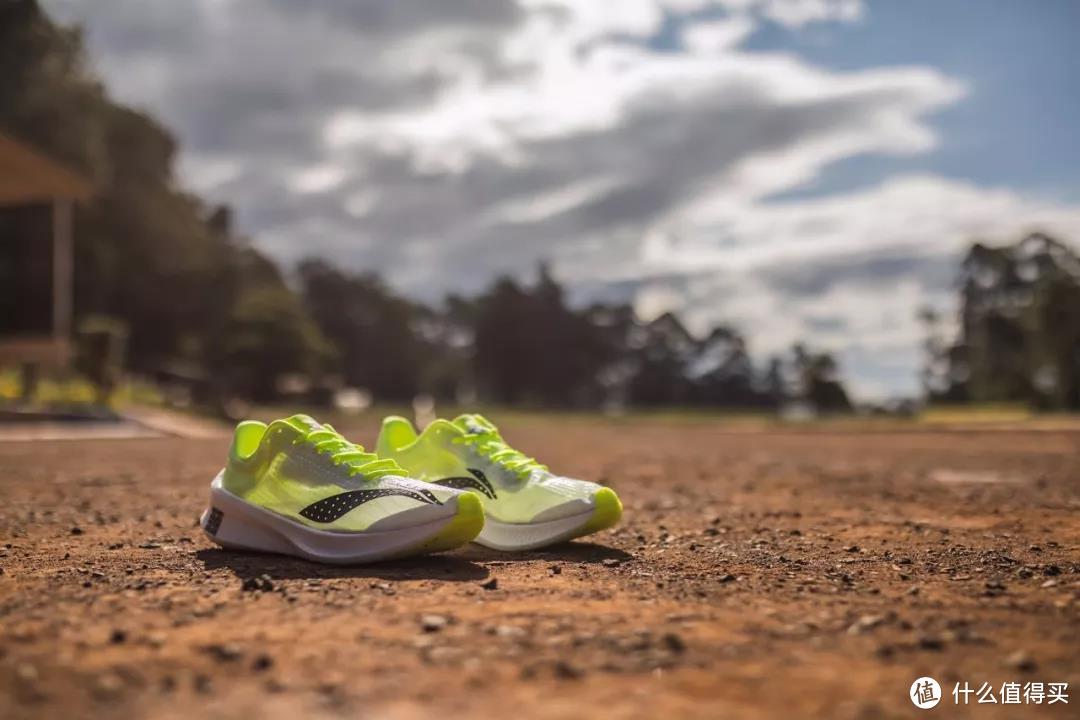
point(788, 574)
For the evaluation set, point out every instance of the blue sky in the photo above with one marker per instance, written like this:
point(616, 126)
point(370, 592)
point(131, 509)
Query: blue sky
point(803, 169)
point(1017, 126)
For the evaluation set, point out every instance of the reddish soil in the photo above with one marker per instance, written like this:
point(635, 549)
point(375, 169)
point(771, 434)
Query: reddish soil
point(756, 574)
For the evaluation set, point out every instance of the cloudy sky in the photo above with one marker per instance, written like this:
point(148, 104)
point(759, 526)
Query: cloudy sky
point(801, 168)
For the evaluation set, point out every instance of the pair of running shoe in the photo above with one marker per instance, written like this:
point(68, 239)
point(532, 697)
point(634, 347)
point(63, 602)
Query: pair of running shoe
point(298, 487)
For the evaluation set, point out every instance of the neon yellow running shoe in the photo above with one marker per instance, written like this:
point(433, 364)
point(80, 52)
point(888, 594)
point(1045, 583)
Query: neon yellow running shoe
point(525, 505)
point(299, 488)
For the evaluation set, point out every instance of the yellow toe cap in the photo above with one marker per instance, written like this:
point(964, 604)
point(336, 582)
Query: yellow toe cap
point(465, 525)
point(607, 512)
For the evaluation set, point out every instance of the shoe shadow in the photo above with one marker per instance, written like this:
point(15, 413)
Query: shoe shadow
point(281, 567)
point(576, 552)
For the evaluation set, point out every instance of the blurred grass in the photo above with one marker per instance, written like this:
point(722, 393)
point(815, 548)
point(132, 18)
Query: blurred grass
point(75, 391)
point(943, 418)
point(994, 413)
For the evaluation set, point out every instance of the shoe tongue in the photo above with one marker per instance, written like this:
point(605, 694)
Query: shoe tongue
point(303, 423)
point(472, 424)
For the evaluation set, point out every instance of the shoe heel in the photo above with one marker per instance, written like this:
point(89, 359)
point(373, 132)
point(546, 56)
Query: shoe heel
point(226, 523)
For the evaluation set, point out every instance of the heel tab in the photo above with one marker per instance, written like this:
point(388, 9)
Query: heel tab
point(246, 438)
point(396, 433)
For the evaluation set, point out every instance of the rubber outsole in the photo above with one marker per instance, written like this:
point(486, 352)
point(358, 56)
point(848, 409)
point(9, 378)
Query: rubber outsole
point(605, 513)
point(234, 523)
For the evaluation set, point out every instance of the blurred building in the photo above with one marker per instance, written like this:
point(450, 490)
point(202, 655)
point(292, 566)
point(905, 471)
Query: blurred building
point(37, 196)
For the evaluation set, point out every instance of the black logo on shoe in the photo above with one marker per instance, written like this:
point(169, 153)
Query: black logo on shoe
point(477, 482)
point(330, 509)
point(213, 521)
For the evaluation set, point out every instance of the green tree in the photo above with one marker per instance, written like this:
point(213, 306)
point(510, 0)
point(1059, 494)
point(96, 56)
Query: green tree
point(47, 96)
point(374, 330)
point(148, 254)
point(818, 380)
point(267, 333)
point(662, 350)
point(1020, 322)
point(531, 347)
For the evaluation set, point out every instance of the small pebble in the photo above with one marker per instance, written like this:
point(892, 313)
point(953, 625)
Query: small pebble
point(203, 685)
point(107, 686)
point(262, 662)
point(1020, 660)
point(929, 642)
point(433, 623)
point(864, 623)
point(566, 671)
point(224, 652)
point(674, 642)
point(26, 674)
point(509, 631)
point(263, 583)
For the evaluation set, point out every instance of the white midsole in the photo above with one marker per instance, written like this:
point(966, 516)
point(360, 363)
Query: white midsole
point(243, 526)
point(529, 536)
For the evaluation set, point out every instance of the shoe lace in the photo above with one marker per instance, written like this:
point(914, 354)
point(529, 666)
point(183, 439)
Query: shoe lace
point(485, 439)
point(328, 441)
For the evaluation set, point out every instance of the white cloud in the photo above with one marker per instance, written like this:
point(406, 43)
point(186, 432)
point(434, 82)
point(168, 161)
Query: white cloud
point(318, 178)
point(717, 36)
point(797, 13)
point(540, 207)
